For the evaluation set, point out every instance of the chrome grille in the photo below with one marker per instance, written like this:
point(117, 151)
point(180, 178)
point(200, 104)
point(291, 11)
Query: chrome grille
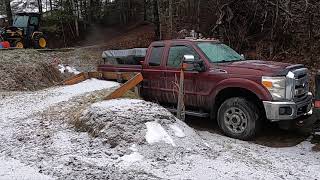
point(301, 84)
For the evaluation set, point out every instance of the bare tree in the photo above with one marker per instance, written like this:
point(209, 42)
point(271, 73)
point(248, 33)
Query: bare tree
point(8, 10)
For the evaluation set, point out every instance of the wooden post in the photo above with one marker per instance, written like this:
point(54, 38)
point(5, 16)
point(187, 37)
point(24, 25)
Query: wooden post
point(181, 107)
point(126, 87)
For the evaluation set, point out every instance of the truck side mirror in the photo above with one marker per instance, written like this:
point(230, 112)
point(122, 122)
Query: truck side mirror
point(190, 60)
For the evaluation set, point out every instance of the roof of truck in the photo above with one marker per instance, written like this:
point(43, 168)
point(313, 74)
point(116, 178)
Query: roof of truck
point(187, 40)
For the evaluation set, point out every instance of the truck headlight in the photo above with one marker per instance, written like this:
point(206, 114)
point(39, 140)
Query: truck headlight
point(276, 86)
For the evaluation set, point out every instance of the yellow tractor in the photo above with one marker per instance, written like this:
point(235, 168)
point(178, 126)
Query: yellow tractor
point(24, 32)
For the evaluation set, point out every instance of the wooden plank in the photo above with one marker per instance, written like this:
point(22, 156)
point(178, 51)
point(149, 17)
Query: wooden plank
point(133, 82)
point(125, 76)
point(76, 79)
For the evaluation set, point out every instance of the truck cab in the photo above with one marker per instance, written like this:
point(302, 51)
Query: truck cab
point(223, 85)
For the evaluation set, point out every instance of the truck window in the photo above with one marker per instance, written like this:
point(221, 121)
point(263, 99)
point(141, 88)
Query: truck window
point(156, 55)
point(176, 54)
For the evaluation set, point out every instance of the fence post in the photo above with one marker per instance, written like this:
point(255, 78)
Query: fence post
point(181, 107)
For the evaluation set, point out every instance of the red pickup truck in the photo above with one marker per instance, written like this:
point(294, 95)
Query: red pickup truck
point(221, 84)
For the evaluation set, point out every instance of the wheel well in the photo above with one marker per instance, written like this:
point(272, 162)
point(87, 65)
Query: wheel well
point(236, 92)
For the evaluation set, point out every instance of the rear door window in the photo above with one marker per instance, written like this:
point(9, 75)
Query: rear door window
point(176, 54)
point(156, 56)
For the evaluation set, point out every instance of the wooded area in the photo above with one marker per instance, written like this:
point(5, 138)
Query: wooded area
point(259, 28)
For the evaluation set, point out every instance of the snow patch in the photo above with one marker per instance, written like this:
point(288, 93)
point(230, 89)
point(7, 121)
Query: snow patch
point(117, 104)
point(177, 131)
point(14, 169)
point(46, 98)
point(156, 133)
point(133, 148)
point(131, 158)
point(67, 68)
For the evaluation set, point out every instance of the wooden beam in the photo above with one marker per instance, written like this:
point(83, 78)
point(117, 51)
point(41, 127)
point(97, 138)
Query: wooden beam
point(133, 82)
point(120, 76)
point(76, 79)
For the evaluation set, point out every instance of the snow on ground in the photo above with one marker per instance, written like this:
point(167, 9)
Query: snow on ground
point(172, 150)
point(13, 169)
point(127, 139)
point(156, 133)
point(66, 68)
point(17, 110)
point(13, 107)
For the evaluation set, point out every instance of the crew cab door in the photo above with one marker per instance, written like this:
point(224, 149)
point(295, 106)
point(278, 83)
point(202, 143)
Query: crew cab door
point(153, 74)
point(174, 59)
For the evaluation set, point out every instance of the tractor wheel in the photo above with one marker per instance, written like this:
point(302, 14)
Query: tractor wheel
point(18, 44)
point(39, 41)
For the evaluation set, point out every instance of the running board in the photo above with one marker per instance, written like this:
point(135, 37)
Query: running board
point(190, 113)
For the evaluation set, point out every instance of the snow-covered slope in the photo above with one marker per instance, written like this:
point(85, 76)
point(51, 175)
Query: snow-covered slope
point(127, 139)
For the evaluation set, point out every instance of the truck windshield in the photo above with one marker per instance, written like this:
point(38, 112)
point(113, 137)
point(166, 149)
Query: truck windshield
point(20, 21)
point(219, 53)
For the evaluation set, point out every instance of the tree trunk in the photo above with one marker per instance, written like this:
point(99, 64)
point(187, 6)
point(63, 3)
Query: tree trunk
point(50, 2)
point(40, 6)
point(198, 15)
point(171, 17)
point(158, 10)
point(8, 10)
point(145, 10)
point(75, 15)
point(156, 19)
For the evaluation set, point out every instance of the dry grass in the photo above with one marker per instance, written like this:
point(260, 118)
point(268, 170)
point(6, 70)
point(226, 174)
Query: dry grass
point(26, 70)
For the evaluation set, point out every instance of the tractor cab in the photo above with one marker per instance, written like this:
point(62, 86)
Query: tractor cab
point(28, 22)
point(24, 31)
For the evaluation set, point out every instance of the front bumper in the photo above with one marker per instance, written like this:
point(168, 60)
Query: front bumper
point(298, 109)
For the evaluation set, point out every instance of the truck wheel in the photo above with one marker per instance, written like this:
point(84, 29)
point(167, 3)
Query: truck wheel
point(239, 118)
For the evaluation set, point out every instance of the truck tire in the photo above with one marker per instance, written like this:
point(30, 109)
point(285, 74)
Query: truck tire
point(239, 118)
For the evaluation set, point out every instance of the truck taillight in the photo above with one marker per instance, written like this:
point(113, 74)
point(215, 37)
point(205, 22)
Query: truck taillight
point(317, 104)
